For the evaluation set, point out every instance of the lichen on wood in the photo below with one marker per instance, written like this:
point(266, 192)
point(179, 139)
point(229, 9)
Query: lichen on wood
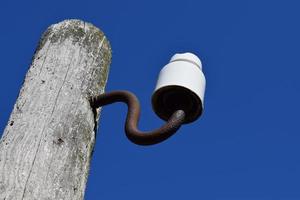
point(46, 147)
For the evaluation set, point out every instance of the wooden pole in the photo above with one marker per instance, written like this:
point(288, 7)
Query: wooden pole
point(46, 147)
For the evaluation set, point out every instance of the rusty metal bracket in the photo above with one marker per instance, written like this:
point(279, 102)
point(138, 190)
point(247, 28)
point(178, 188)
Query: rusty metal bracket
point(132, 132)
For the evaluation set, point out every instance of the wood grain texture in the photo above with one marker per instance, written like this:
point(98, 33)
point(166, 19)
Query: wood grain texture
point(46, 147)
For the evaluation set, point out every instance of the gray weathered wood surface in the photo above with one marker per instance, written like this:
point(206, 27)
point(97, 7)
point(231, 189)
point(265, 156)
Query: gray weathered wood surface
point(46, 147)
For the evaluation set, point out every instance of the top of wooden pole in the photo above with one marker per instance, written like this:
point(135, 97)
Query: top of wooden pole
point(77, 31)
point(89, 37)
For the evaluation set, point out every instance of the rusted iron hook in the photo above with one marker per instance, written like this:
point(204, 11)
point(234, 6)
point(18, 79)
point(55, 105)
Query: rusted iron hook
point(132, 132)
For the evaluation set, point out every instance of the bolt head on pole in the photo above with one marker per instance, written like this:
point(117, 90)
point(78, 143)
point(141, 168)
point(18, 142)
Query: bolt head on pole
point(180, 86)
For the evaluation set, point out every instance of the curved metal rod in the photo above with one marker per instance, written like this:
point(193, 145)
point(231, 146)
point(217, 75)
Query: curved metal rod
point(133, 134)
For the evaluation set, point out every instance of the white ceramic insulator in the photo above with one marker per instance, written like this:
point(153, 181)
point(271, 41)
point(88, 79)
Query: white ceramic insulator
point(185, 70)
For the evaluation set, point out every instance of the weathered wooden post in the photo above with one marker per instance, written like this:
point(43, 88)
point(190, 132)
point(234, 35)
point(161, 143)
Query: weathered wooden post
point(46, 147)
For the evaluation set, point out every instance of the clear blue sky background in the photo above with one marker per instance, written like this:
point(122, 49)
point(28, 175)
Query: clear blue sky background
point(246, 145)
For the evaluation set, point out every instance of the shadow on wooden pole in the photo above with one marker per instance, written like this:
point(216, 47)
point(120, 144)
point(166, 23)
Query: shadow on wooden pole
point(46, 147)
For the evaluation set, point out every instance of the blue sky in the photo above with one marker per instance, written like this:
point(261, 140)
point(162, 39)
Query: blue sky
point(246, 145)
